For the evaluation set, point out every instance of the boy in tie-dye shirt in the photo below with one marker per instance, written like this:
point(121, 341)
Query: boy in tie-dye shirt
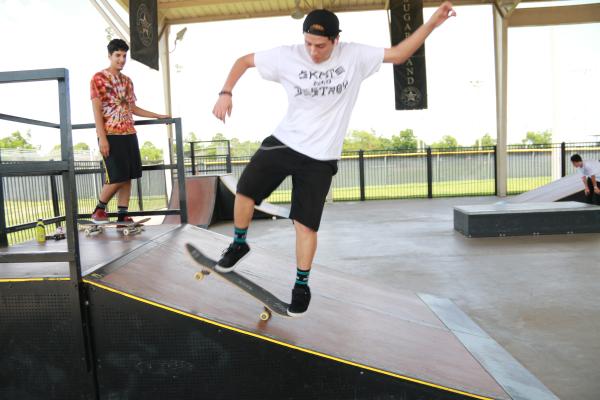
point(113, 101)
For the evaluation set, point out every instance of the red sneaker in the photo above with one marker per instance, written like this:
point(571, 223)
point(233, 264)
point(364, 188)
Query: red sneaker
point(127, 220)
point(100, 216)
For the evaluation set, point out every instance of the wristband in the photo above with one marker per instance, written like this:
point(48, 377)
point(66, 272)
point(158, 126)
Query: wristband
point(228, 93)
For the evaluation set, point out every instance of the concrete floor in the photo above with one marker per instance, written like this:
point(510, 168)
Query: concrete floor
point(539, 297)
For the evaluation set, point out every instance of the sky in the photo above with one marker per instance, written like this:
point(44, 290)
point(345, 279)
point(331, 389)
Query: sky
point(554, 75)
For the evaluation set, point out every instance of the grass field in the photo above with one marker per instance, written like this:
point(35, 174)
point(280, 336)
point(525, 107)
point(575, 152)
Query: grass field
point(22, 212)
point(418, 190)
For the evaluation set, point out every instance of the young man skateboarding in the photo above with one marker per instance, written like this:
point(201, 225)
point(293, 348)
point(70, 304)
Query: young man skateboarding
point(591, 185)
point(113, 101)
point(322, 79)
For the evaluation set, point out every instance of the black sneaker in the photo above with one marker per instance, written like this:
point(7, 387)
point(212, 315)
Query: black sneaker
point(300, 301)
point(234, 253)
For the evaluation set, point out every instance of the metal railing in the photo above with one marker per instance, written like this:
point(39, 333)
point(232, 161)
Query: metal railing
point(447, 172)
point(209, 157)
point(28, 198)
point(65, 168)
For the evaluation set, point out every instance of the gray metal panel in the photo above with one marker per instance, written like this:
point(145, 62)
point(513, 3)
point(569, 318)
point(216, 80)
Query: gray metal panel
point(509, 208)
point(461, 222)
point(514, 378)
point(526, 219)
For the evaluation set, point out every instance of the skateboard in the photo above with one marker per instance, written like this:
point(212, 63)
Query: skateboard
point(91, 227)
point(269, 301)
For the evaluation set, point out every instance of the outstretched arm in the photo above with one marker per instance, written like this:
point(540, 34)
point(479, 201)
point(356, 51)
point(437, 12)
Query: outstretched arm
point(224, 104)
point(406, 48)
point(140, 112)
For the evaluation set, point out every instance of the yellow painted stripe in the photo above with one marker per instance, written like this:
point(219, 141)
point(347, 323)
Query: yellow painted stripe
point(268, 339)
point(3, 280)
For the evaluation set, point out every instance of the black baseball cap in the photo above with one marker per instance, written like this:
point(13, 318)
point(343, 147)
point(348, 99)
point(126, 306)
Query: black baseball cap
point(321, 23)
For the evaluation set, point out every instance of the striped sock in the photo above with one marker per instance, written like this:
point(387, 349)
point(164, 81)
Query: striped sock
point(239, 235)
point(122, 212)
point(302, 277)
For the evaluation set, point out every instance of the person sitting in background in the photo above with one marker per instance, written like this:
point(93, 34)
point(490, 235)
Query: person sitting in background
point(588, 177)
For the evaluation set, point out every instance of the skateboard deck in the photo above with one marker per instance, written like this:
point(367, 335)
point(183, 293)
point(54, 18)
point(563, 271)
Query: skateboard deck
point(270, 302)
point(91, 227)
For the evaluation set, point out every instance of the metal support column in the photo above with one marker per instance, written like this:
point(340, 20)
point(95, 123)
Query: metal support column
point(181, 171)
point(79, 300)
point(501, 56)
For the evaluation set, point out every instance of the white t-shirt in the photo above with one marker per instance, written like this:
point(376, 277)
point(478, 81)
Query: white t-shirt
point(320, 96)
point(586, 170)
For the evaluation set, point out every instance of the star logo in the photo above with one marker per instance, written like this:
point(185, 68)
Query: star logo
point(144, 25)
point(410, 96)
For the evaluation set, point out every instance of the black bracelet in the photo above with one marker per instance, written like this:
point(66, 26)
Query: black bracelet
point(222, 92)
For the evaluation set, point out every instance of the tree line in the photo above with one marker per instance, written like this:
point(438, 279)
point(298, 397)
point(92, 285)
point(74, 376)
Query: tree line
point(356, 140)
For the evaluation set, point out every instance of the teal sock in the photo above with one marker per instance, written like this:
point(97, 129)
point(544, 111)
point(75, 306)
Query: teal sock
point(302, 277)
point(239, 235)
point(122, 212)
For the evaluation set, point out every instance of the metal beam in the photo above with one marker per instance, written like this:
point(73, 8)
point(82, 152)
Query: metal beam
point(30, 225)
point(157, 121)
point(172, 211)
point(29, 121)
point(205, 9)
point(195, 3)
point(112, 23)
point(39, 256)
point(116, 17)
point(542, 16)
point(32, 75)
point(32, 168)
point(501, 53)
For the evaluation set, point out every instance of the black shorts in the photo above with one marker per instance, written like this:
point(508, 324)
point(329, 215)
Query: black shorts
point(123, 162)
point(311, 179)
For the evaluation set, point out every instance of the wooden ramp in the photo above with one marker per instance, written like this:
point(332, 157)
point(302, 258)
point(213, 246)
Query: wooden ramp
point(355, 338)
point(210, 199)
point(201, 196)
point(227, 190)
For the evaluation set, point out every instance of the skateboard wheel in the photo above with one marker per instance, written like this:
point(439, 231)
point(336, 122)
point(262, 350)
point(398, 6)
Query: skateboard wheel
point(126, 231)
point(88, 231)
point(265, 315)
point(199, 276)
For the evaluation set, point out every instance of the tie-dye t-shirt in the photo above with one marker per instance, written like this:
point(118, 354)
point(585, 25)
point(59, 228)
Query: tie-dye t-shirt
point(117, 98)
